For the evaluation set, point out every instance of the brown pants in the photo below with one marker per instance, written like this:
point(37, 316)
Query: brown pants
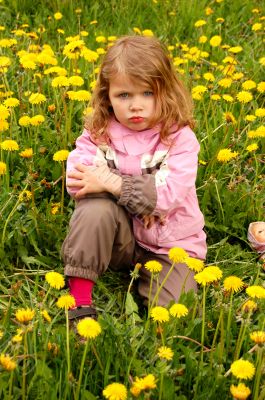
point(101, 236)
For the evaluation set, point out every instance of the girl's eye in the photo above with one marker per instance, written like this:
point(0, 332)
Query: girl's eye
point(148, 93)
point(124, 95)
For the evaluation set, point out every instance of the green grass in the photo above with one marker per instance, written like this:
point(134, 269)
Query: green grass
point(231, 195)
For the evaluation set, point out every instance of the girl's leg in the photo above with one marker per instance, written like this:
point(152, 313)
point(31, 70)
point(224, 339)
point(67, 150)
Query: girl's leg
point(100, 235)
point(180, 279)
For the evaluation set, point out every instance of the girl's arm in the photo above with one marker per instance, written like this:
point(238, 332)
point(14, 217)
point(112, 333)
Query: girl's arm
point(167, 188)
point(86, 153)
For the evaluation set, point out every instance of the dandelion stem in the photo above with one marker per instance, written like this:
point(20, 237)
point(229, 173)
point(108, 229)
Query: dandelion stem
point(229, 322)
point(67, 342)
point(81, 371)
point(258, 373)
point(162, 284)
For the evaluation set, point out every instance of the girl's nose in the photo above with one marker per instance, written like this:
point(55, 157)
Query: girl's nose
point(135, 106)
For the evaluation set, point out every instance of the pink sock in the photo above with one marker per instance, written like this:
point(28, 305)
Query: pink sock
point(81, 290)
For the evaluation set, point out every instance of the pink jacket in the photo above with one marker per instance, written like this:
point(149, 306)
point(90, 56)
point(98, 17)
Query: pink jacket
point(156, 179)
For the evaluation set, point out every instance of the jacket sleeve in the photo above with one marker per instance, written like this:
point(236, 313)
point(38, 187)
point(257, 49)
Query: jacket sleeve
point(167, 188)
point(87, 153)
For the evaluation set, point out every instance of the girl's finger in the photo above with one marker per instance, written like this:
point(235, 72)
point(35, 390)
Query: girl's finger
point(75, 183)
point(76, 175)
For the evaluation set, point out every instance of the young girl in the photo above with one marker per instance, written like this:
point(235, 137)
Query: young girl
point(133, 175)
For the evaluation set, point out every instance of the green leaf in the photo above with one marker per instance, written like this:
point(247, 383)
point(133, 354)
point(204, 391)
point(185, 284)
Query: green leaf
point(130, 305)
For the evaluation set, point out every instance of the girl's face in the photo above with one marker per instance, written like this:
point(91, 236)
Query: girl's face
point(133, 102)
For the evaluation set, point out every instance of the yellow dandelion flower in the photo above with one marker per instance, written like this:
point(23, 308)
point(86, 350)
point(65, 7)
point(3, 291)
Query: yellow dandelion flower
point(177, 255)
point(249, 84)
point(200, 23)
point(60, 81)
point(258, 337)
point(233, 284)
point(229, 118)
point(46, 315)
point(208, 275)
point(24, 121)
point(80, 95)
point(4, 62)
point(37, 120)
point(76, 81)
point(194, 263)
point(66, 301)
point(235, 50)
point(215, 97)
point(25, 195)
point(261, 87)
point(244, 96)
point(199, 89)
point(225, 82)
point(101, 39)
point(240, 392)
point(243, 369)
point(252, 147)
point(37, 98)
point(160, 314)
point(115, 391)
point(18, 337)
point(2, 168)
point(61, 155)
point(6, 43)
point(58, 16)
point(55, 70)
point(256, 292)
point(260, 112)
point(55, 280)
point(178, 310)
point(237, 76)
point(7, 362)
point(256, 27)
point(250, 118)
point(84, 33)
point(25, 315)
point(4, 112)
point(228, 98)
point(89, 55)
point(209, 76)
point(27, 153)
point(215, 41)
point(220, 20)
point(142, 384)
point(4, 125)
point(88, 328)
point(112, 38)
point(11, 102)
point(61, 31)
point(101, 51)
point(9, 145)
point(149, 382)
point(165, 352)
point(225, 155)
point(203, 39)
point(1, 334)
point(147, 32)
point(153, 266)
point(249, 306)
point(260, 131)
point(55, 208)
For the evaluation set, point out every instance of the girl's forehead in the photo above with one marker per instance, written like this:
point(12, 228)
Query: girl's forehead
point(125, 80)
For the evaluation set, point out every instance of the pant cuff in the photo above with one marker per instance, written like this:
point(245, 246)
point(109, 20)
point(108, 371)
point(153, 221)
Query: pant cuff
point(80, 272)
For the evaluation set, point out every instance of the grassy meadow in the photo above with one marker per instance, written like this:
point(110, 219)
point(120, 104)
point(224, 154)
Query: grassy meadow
point(210, 345)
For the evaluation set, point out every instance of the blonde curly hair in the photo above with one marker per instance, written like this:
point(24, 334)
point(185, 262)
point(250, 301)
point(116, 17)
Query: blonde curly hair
point(145, 59)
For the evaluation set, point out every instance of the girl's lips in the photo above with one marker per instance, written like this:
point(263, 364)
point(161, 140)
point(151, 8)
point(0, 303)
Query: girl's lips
point(136, 119)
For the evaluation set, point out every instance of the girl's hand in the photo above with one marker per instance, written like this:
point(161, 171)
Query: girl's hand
point(87, 178)
point(150, 220)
